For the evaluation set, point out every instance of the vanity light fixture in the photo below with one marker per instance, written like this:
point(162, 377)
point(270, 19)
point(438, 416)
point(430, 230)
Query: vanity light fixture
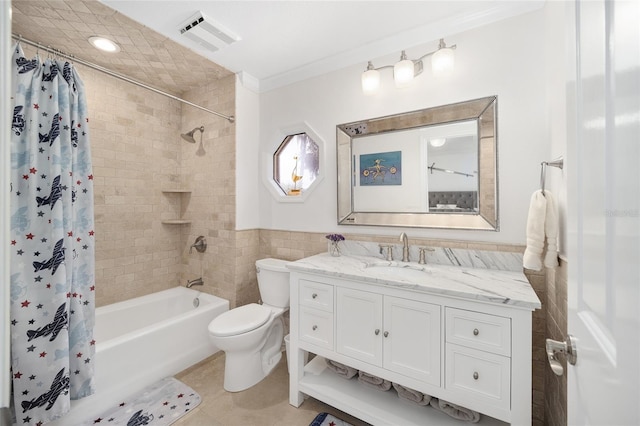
point(405, 70)
point(104, 44)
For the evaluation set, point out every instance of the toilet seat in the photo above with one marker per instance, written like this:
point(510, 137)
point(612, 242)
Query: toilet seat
point(240, 320)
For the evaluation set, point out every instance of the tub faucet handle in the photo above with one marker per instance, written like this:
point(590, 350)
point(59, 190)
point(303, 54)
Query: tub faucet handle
point(200, 245)
point(423, 251)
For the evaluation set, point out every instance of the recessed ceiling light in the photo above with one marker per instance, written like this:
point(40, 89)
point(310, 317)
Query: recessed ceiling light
point(104, 44)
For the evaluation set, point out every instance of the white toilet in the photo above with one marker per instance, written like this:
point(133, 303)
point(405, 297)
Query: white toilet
point(251, 335)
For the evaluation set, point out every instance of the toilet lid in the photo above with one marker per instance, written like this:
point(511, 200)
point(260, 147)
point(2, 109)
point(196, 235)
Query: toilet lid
point(239, 320)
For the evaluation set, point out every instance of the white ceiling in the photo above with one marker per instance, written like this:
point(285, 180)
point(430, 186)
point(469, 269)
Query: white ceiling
point(288, 41)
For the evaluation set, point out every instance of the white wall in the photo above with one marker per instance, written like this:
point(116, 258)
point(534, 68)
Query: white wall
point(247, 139)
point(560, 68)
point(506, 59)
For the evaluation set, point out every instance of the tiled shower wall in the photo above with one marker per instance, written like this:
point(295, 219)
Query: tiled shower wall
point(208, 170)
point(135, 153)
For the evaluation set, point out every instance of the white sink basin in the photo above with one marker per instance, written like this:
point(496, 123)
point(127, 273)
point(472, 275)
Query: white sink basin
point(399, 271)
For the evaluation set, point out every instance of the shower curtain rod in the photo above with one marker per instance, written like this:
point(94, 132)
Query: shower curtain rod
point(107, 71)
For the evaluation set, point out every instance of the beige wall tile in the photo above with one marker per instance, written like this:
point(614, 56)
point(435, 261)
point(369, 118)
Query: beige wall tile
point(556, 328)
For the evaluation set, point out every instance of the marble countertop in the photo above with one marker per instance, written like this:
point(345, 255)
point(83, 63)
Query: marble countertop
point(487, 285)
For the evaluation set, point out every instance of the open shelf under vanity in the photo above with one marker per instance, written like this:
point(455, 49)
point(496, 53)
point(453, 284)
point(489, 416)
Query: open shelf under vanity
point(369, 404)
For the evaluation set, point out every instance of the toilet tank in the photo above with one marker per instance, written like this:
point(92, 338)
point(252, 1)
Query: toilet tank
point(273, 282)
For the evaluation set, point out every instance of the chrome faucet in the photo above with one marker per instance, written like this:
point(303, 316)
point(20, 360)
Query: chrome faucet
point(197, 281)
point(405, 248)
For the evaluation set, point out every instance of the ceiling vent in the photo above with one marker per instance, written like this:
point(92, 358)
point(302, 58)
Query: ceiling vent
point(207, 32)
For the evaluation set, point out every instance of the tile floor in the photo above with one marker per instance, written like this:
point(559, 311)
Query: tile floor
point(266, 404)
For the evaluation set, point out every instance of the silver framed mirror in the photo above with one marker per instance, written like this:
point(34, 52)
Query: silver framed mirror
point(432, 168)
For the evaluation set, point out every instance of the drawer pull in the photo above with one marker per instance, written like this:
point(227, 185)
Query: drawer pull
point(386, 334)
point(475, 375)
point(314, 328)
point(476, 331)
point(314, 295)
point(377, 331)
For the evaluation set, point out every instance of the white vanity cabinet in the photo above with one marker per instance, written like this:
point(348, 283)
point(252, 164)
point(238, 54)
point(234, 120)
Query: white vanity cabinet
point(400, 335)
point(472, 351)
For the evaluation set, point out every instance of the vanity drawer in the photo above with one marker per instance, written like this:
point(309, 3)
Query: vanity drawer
point(478, 376)
point(476, 330)
point(316, 327)
point(316, 295)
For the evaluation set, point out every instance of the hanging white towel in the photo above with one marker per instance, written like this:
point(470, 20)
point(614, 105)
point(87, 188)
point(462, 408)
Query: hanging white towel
point(542, 226)
point(551, 232)
point(532, 258)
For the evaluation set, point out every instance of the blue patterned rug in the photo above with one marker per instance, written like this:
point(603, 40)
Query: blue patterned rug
point(160, 404)
point(326, 419)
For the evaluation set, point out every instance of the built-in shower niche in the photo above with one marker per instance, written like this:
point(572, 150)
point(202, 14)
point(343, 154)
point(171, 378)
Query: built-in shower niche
point(179, 200)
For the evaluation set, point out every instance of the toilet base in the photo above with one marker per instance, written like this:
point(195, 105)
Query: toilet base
point(244, 369)
point(242, 372)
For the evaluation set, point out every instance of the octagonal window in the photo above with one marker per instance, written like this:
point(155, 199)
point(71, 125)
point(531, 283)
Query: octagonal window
point(296, 164)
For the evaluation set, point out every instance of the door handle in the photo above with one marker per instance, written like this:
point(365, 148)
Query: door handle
point(568, 347)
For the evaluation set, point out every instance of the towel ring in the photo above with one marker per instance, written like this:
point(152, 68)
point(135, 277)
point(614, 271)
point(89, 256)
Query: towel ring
point(558, 162)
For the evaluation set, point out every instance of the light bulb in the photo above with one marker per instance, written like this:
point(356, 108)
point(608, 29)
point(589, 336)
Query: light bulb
point(403, 71)
point(443, 60)
point(437, 142)
point(370, 81)
point(104, 44)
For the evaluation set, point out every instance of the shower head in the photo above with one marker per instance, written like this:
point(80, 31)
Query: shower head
point(189, 136)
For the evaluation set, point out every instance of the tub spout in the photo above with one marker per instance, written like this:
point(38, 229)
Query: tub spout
point(197, 281)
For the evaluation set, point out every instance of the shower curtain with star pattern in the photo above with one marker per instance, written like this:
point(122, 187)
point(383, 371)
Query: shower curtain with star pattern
point(52, 240)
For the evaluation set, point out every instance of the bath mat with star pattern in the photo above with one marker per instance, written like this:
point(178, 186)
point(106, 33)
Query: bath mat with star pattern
point(326, 419)
point(160, 404)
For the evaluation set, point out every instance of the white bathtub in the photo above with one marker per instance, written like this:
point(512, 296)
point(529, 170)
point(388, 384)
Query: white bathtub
point(142, 340)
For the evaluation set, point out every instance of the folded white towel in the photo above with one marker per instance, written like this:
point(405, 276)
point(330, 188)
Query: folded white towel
point(532, 258)
point(455, 411)
point(551, 232)
point(374, 381)
point(341, 369)
point(412, 395)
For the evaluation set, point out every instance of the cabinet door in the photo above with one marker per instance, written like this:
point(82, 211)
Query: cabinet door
point(359, 325)
point(411, 336)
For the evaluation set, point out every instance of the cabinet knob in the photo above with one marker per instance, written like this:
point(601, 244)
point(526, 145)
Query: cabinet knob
point(386, 334)
point(314, 328)
point(377, 331)
point(475, 375)
point(476, 331)
point(314, 295)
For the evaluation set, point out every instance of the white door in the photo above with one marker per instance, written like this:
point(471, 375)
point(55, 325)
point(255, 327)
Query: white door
point(604, 215)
